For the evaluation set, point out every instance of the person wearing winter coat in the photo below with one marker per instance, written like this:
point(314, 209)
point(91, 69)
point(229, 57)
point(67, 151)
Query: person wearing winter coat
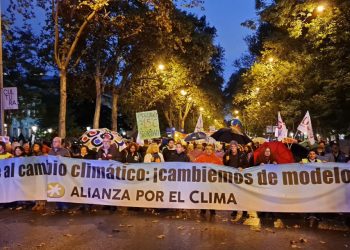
point(131, 154)
point(153, 154)
point(180, 155)
point(234, 158)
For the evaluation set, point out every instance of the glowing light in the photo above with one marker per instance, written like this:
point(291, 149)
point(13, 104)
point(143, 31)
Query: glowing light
point(320, 8)
point(34, 128)
point(161, 67)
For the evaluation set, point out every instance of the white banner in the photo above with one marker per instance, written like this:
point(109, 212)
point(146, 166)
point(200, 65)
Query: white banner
point(321, 187)
point(9, 98)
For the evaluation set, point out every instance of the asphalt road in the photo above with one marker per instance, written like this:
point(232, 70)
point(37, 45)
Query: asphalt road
point(169, 229)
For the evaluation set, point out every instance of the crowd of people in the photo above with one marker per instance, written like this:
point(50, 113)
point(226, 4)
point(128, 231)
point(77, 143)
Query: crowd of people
point(231, 155)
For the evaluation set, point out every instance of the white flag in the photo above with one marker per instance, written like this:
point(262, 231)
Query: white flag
point(199, 125)
point(306, 127)
point(139, 140)
point(281, 130)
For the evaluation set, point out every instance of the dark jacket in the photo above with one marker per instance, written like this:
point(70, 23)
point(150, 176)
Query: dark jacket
point(132, 158)
point(112, 154)
point(183, 157)
point(88, 156)
point(332, 158)
point(237, 161)
point(169, 154)
point(59, 152)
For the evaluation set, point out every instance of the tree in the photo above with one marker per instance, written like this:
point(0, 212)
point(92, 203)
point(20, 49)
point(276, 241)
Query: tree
point(192, 76)
point(301, 64)
point(66, 39)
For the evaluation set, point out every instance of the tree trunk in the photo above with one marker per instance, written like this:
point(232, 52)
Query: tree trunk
point(181, 122)
point(168, 119)
point(183, 116)
point(96, 123)
point(115, 96)
point(63, 104)
point(182, 125)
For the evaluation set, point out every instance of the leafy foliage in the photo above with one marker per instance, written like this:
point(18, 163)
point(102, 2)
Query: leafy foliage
point(301, 63)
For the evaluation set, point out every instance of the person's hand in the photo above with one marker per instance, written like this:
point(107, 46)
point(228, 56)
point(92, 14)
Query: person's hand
point(274, 162)
point(240, 169)
point(227, 158)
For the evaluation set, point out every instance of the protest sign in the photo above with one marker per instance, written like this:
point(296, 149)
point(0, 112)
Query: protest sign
point(148, 124)
point(9, 98)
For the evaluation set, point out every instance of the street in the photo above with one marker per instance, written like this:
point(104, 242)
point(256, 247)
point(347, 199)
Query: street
point(169, 229)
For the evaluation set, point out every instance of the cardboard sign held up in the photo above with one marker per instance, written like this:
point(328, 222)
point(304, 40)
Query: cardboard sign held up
point(9, 98)
point(148, 124)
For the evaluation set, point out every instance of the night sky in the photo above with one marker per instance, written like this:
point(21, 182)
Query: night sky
point(227, 16)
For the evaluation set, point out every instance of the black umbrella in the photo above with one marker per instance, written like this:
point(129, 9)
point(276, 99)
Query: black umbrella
point(196, 136)
point(299, 152)
point(227, 135)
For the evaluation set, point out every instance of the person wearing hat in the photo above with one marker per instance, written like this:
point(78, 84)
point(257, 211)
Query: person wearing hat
point(311, 158)
point(336, 155)
point(235, 158)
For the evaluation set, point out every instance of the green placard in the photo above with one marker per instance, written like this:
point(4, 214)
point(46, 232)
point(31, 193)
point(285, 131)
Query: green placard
point(148, 124)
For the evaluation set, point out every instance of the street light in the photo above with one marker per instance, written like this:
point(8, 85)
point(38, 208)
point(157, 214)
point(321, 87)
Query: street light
point(271, 59)
point(201, 109)
point(236, 112)
point(189, 98)
point(257, 89)
point(49, 130)
point(320, 8)
point(88, 128)
point(161, 67)
point(34, 128)
point(183, 92)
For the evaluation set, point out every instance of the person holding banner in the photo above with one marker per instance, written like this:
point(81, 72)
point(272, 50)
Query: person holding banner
point(336, 155)
point(108, 151)
point(169, 151)
point(58, 150)
point(19, 152)
point(153, 154)
point(26, 148)
point(311, 158)
point(36, 149)
point(208, 157)
point(235, 158)
point(180, 155)
point(132, 155)
point(3, 153)
point(266, 158)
